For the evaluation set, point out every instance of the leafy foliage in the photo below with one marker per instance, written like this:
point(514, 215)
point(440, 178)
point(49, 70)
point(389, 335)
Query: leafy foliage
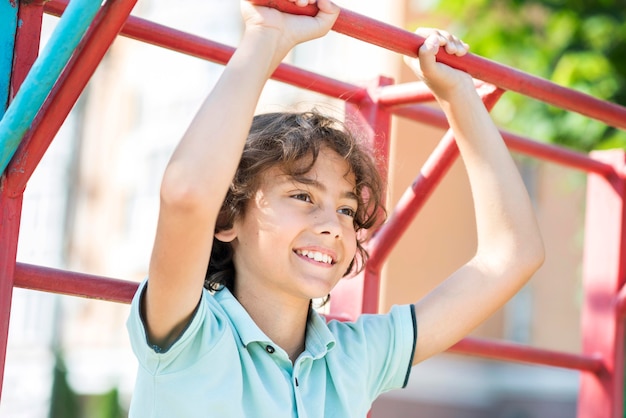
point(575, 43)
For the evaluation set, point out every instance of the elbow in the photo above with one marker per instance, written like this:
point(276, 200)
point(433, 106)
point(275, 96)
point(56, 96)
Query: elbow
point(531, 255)
point(539, 255)
point(181, 191)
point(523, 255)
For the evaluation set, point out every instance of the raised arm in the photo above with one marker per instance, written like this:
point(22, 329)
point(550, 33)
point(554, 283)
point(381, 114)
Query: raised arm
point(202, 166)
point(510, 247)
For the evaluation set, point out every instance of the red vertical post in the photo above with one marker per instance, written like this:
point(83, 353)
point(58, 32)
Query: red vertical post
point(24, 54)
point(356, 295)
point(604, 273)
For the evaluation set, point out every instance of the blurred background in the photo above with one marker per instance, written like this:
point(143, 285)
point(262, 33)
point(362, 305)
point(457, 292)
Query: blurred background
point(91, 205)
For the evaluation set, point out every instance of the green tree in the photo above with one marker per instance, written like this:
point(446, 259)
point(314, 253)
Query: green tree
point(64, 402)
point(579, 44)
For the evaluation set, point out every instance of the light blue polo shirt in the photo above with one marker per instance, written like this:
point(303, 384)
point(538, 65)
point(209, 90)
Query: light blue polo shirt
point(224, 366)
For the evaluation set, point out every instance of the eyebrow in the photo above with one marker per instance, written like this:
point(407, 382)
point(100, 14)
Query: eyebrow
point(348, 194)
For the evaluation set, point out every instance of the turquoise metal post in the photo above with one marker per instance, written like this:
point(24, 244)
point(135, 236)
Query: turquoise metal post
point(8, 23)
point(44, 73)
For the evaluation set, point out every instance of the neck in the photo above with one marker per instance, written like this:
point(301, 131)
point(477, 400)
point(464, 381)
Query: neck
point(283, 321)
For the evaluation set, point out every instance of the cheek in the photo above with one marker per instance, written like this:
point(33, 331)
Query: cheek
point(350, 239)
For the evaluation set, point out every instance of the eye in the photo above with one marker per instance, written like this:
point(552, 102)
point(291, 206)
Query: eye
point(347, 211)
point(305, 197)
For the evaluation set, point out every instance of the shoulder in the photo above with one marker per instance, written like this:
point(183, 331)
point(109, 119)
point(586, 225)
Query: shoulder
point(207, 324)
point(399, 321)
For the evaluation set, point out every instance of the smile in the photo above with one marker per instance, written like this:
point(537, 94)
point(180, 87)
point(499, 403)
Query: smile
point(317, 256)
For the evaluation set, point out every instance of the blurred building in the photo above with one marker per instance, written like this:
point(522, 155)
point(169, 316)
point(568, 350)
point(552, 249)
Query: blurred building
point(92, 206)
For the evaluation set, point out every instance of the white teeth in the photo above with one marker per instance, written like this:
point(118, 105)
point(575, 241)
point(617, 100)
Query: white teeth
point(317, 256)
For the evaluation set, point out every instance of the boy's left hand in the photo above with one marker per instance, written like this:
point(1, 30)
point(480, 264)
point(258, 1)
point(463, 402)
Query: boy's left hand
point(440, 78)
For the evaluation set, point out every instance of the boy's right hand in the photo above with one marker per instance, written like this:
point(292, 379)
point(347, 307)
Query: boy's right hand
point(291, 29)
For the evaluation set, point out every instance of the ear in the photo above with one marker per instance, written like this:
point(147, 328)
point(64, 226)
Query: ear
point(226, 235)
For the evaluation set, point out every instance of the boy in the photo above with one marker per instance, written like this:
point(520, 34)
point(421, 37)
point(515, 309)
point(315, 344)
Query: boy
point(284, 231)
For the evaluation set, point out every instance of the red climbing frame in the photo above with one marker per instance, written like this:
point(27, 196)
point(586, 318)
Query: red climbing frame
point(604, 307)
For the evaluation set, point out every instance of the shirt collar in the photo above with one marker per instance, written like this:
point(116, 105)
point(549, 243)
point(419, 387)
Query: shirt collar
point(245, 327)
point(319, 339)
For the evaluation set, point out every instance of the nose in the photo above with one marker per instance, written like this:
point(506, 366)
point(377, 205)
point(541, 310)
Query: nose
point(327, 223)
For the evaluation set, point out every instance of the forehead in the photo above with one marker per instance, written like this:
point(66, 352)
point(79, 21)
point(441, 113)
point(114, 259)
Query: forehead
point(329, 168)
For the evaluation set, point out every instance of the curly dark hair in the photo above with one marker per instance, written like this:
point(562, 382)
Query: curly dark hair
point(293, 142)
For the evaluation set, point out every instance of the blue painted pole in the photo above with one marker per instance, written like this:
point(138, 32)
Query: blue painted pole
point(44, 73)
point(8, 24)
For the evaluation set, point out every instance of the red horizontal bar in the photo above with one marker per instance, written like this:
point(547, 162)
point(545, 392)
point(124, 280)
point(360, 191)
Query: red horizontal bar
point(179, 41)
point(193, 45)
point(45, 279)
point(403, 94)
point(28, 276)
point(409, 93)
point(498, 350)
point(515, 142)
point(404, 42)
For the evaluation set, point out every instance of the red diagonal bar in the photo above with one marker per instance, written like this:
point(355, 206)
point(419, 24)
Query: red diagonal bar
point(189, 44)
point(407, 43)
point(45, 279)
point(413, 199)
point(500, 350)
point(433, 170)
point(66, 91)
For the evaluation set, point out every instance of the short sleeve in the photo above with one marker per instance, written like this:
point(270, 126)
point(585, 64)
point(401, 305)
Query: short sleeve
point(203, 331)
point(385, 344)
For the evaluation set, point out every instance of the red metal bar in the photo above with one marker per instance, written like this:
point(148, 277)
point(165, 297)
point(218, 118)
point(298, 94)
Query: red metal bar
point(10, 212)
point(604, 274)
point(407, 43)
point(620, 305)
point(553, 153)
point(66, 91)
point(69, 283)
point(28, 276)
point(356, 295)
point(498, 350)
point(605, 269)
point(403, 94)
point(26, 42)
point(408, 93)
point(175, 40)
point(121, 291)
point(378, 122)
point(24, 54)
point(436, 166)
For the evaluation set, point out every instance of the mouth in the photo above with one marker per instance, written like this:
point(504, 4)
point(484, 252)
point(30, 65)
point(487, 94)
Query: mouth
point(318, 256)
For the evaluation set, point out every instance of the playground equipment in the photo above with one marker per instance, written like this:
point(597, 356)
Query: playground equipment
point(42, 90)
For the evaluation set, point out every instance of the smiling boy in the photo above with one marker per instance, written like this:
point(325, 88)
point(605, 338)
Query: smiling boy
point(273, 204)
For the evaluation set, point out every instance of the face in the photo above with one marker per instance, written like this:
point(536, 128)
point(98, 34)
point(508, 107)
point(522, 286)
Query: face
point(297, 239)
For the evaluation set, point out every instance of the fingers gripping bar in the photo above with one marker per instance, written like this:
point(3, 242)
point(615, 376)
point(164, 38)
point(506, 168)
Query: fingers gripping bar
point(358, 26)
point(287, 7)
point(407, 43)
